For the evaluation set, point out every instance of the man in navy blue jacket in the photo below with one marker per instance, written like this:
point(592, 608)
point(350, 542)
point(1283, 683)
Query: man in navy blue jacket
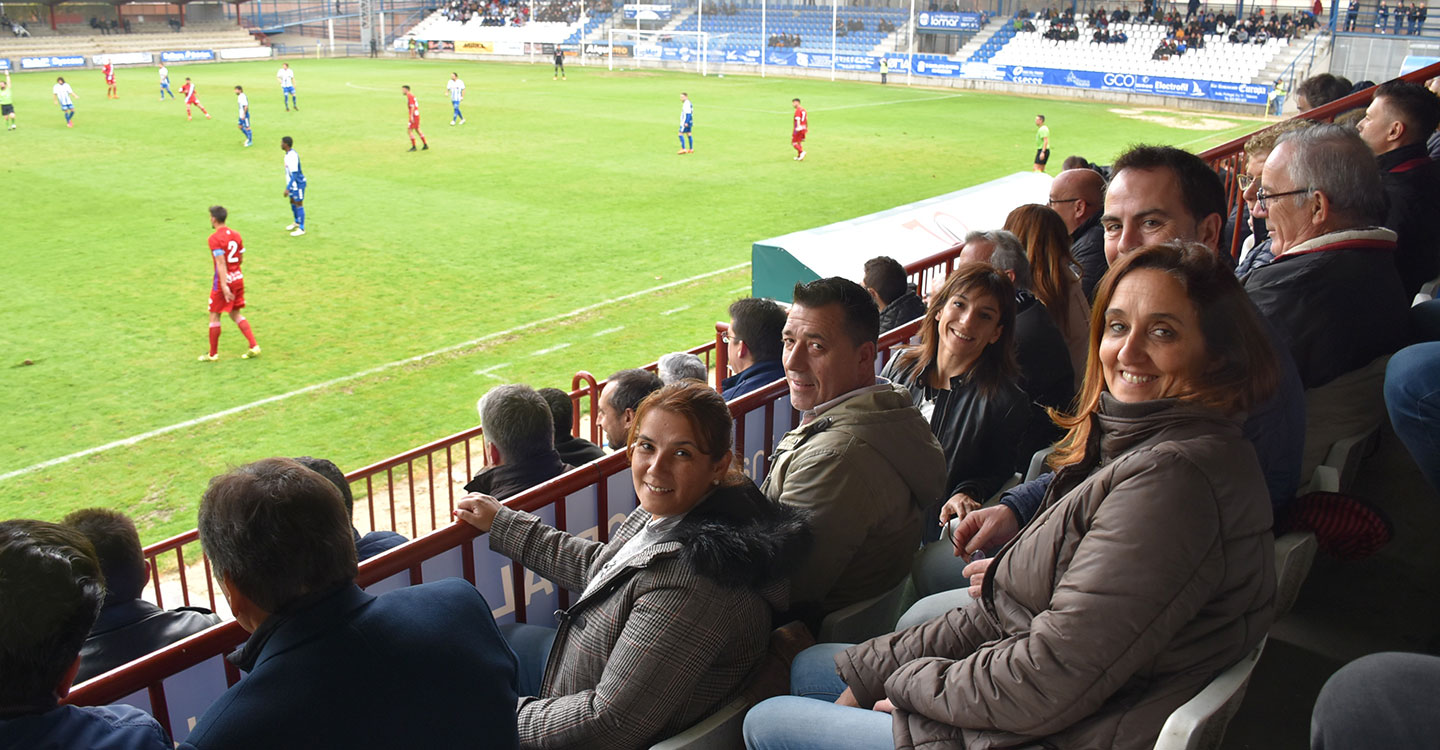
point(753, 346)
point(328, 664)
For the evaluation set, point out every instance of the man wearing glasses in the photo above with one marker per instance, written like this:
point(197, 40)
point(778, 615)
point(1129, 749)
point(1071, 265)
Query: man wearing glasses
point(1078, 195)
point(1333, 291)
point(753, 346)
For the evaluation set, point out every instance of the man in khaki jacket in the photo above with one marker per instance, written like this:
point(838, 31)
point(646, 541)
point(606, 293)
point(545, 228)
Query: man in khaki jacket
point(863, 461)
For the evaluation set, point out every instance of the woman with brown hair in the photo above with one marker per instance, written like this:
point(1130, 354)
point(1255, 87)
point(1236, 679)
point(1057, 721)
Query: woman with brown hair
point(964, 379)
point(1047, 247)
point(671, 614)
point(1148, 569)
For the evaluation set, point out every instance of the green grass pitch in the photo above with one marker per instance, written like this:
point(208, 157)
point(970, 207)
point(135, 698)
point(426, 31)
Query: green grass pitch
point(553, 197)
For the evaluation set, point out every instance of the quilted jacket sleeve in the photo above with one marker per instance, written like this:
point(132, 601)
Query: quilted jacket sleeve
point(866, 666)
point(1138, 576)
point(671, 636)
point(551, 553)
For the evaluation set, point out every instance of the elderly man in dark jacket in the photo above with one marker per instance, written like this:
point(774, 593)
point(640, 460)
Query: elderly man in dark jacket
point(519, 442)
point(1395, 127)
point(575, 451)
point(1333, 291)
point(329, 664)
point(128, 627)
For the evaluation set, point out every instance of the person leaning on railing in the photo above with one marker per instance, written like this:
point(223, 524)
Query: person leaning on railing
point(671, 614)
point(1149, 569)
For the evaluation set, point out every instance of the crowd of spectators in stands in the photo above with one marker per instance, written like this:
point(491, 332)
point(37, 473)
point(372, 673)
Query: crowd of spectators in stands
point(18, 28)
point(720, 8)
point(784, 40)
point(1408, 19)
point(1181, 417)
point(1183, 32)
point(502, 12)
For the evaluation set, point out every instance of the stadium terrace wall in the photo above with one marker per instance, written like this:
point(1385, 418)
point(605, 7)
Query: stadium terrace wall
point(169, 57)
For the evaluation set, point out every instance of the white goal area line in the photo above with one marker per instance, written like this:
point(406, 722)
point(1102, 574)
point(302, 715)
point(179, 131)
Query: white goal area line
point(132, 440)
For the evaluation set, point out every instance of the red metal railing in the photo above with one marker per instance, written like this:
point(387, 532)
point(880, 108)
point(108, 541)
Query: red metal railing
point(1229, 158)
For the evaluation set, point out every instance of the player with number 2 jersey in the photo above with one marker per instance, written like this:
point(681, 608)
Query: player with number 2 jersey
point(227, 288)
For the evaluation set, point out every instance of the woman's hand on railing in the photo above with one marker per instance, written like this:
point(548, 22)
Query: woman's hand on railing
point(478, 510)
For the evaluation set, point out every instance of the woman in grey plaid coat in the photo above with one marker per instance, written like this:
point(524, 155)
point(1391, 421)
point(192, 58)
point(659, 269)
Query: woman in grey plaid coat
point(675, 611)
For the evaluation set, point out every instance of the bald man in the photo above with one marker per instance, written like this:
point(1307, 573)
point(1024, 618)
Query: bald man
point(1078, 195)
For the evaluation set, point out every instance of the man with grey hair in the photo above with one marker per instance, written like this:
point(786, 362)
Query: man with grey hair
point(1333, 291)
point(1046, 374)
point(519, 442)
point(678, 366)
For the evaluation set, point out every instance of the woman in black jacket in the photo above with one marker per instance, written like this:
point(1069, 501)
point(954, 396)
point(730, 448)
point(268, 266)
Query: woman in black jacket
point(963, 378)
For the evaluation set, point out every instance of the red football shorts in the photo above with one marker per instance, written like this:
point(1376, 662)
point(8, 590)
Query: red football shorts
point(218, 303)
point(414, 123)
point(798, 136)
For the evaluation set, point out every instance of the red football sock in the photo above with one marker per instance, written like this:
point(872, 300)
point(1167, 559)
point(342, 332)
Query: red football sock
point(412, 141)
point(245, 329)
point(214, 338)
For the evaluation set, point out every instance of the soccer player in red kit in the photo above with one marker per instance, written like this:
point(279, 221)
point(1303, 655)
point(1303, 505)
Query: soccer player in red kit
point(188, 91)
point(413, 129)
point(110, 92)
point(227, 291)
point(797, 136)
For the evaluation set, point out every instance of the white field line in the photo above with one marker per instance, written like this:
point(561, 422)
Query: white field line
point(489, 371)
point(550, 350)
point(608, 331)
point(366, 88)
point(672, 311)
point(133, 439)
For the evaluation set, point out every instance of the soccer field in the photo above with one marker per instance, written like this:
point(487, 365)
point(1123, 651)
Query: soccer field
point(544, 236)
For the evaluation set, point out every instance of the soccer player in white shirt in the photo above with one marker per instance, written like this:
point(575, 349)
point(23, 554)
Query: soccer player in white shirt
point(165, 83)
point(65, 96)
point(687, 121)
point(456, 87)
point(244, 102)
point(286, 76)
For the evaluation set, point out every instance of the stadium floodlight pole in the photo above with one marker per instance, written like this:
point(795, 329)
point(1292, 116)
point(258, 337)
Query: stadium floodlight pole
point(834, 18)
point(764, 40)
point(910, 64)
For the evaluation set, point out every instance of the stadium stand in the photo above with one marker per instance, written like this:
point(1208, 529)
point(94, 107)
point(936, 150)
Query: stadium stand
point(809, 22)
point(596, 494)
point(1217, 60)
point(555, 23)
point(78, 39)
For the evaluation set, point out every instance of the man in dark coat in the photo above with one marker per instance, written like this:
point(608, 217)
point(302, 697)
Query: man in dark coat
point(519, 442)
point(1078, 195)
point(885, 281)
point(368, 545)
point(128, 627)
point(1396, 125)
point(575, 451)
point(753, 346)
point(329, 664)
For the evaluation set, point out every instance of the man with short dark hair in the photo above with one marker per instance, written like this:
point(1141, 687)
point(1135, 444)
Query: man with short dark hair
point(1046, 373)
point(1078, 195)
point(1396, 126)
point(366, 546)
point(49, 594)
point(519, 442)
point(1159, 194)
point(621, 396)
point(752, 346)
point(128, 627)
point(1321, 89)
point(1333, 291)
point(862, 462)
point(886, 282)
point(576, 451)
point(325, 658)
